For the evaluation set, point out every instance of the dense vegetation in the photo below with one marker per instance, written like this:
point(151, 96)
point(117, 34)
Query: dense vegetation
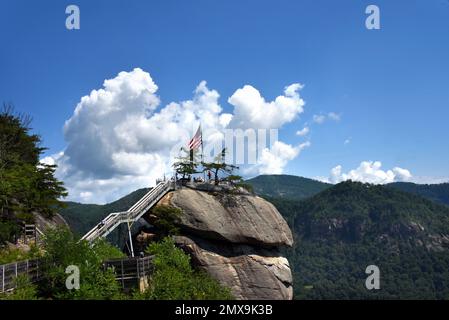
point(287, 187)
point(11, 254)
point(297, 188)
point(61, 249)
point(435, 192)
point(173, 278)
point(26, 185)
point(165, 219)
point(342, 230)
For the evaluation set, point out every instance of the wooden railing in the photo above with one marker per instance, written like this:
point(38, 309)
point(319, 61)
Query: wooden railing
point(131, 272)
point(9, 273)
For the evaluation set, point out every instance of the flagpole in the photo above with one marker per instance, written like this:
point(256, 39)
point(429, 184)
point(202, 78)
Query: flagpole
point(202, 153)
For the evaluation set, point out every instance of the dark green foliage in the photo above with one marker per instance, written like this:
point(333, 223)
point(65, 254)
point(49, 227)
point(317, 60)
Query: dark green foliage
point(13, 254)
point(297, 188)
point(219, 166)
point(248, 187)
point(174, 278)
point(287, 187)
point(342, 230)
point(62, 249)
point(166, 220)
point(26, 186)
point(435, 192)
point(9, 229)
point(24, 290)
point(238, 182)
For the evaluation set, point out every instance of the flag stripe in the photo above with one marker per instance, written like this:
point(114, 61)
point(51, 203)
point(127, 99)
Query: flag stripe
point(197, 140)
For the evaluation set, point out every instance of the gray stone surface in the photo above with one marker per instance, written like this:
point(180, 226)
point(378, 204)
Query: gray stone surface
point(235, 237)
point(236, 218)
point(249, 272)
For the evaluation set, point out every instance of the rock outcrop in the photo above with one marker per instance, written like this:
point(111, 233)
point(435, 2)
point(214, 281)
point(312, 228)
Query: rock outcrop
point(233, 218)
point(44, 223)
point(236, 237)
point(250, 272)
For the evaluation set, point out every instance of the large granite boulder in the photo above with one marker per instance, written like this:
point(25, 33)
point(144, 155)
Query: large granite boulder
point(249, 272)
point(236, 218)
point(235, 237)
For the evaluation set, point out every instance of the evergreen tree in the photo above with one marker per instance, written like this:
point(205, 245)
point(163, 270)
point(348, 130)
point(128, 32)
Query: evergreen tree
point(26, 185)
point(219, 166)
point(186, 164)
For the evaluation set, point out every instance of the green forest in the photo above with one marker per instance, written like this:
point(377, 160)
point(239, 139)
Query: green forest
point(342, 230)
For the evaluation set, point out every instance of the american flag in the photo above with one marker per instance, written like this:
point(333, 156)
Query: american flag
point(197, 140)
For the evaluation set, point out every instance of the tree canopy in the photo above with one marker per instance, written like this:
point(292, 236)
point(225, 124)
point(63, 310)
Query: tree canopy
point(219, 166)
point(342, 230)
point(26, 184)
point(187, 163)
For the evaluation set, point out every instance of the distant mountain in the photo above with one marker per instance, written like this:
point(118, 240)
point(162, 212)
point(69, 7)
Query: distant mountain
point(344, 229)
point(297, 188)
point(286, 186)
point(341, 229)
point(434, 192)
point(83, 217)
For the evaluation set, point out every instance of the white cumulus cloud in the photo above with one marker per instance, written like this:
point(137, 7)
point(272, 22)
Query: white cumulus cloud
point(370, 172)
point(273, 160)
point(119, 138)
point(303, 132)
point(251, 110)
point(321, 118)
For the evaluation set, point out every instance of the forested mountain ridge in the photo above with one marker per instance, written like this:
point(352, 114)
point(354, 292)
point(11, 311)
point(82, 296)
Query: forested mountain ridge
point(297, 188)
point(82, 217)
point(342, 230)
point(434, 192)
point(287, 186)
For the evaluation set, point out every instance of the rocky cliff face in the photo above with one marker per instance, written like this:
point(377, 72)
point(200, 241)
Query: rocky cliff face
point(44, 223)
point(236, 239)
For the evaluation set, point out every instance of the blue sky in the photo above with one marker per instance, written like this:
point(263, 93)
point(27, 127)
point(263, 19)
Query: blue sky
point(389, 86)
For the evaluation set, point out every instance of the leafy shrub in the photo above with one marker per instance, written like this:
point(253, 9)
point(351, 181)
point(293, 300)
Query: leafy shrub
point(12, 254)
point(166, 219)
point(175, 279)
point(24, 290)
point(9, 230)
point(62, 249)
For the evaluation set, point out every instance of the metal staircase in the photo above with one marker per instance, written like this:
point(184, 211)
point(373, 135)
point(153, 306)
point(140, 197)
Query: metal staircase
point(113, 220)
